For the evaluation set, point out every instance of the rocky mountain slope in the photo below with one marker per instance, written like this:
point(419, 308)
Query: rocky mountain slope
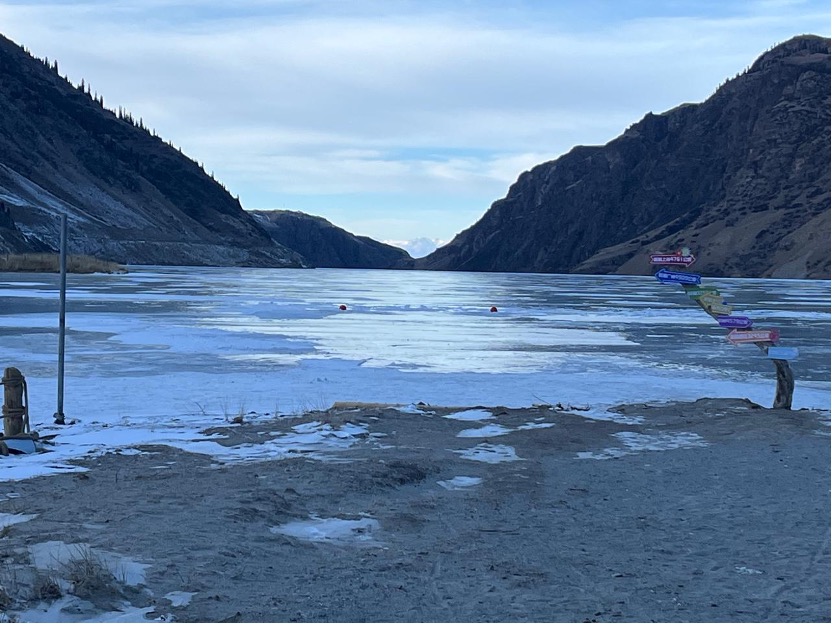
point(324, 245)
point(743, 179)
point(129, 196)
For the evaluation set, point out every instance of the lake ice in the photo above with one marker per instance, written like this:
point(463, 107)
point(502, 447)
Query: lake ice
point(162, 352)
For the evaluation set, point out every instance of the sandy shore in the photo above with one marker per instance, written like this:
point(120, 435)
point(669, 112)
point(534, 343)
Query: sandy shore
point(715, 510)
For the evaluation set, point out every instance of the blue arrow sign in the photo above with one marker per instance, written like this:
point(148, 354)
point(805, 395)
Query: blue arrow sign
point(782, 353)
point(677, 277)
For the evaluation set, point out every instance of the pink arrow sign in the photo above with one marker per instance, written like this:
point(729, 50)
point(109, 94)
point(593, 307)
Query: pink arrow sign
point(738, 336)
point(684, 260)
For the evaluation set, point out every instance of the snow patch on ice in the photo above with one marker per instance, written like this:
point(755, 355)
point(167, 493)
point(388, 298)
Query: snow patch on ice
point(746, 570)
point(487, 431)
point(490, 453)
point(73, 609)
point(660, 442)
point(635, 442)
point(459, 483)
point(53, 555)
point(7, 519)
point(329, 529)
point(601, 412)
point(412, 409)
point(476, 414)
point(180, 598)
point(312, 439)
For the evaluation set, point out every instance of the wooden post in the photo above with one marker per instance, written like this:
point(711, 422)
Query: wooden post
point(785, 385)
point(14, 409)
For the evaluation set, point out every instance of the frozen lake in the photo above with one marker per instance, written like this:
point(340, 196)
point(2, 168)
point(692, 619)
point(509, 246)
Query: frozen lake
point(166, 345)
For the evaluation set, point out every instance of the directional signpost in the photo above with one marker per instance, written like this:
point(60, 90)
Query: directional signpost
point(710, 300)
point(677, 277)
point(739, 336)
point(743, 322)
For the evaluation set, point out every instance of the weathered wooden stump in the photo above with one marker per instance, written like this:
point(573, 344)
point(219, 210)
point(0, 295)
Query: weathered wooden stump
point(785, 385)
point(14, 407)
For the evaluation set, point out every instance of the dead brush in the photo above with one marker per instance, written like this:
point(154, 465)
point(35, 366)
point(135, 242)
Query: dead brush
point(46, 587)
point(89, 574)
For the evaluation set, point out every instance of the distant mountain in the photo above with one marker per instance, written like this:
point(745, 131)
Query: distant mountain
point(743, 179)
point(129, 196)
point(417, 247)
point(324, 245)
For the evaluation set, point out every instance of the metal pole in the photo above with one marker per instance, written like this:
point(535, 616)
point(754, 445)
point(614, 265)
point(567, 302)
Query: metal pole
point(59, 415)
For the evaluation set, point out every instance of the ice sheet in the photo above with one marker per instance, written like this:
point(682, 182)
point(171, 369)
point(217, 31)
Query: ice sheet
point(160, 354)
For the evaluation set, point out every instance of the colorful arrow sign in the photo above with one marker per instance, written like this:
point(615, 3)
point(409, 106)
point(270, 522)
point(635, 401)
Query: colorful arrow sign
point(677, 277)
point(742, 322)
point(674, 258)
point(782, 353)
point(694, 292)
point(739, 336)
point(714, 304)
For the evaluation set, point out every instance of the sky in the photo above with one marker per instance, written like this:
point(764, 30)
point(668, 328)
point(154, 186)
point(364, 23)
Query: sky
point(397, 119)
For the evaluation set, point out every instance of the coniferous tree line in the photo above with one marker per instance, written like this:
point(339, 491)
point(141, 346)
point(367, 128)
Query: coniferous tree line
point(121, 113)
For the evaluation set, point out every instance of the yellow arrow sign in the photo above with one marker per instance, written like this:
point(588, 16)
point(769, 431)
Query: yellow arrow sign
point(715, 304)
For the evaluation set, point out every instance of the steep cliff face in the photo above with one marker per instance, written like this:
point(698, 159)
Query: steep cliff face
point(129, 196)
point(324, 245)
point(743, 179)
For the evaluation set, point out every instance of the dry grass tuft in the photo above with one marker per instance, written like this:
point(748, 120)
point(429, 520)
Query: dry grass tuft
point(89, 574)
point(51, 263)
point(46, 587)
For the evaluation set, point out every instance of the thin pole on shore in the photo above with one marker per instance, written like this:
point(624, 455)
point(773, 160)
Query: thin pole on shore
point(59, 415)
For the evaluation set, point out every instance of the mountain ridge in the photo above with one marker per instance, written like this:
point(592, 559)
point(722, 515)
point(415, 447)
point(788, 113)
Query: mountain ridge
point(741, 178)
point(129, 196)
point(325, 245)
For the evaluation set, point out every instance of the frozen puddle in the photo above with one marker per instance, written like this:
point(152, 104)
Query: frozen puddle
point(334, 530)
point(460, 483)
point(635, 442)
point(477, 414)
point(490, 453)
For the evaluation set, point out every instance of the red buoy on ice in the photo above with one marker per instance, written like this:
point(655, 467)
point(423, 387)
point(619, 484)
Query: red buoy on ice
point(342, 307)
point(493, 308)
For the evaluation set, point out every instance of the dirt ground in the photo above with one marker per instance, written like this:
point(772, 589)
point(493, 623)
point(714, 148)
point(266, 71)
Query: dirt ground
point(731, 525)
